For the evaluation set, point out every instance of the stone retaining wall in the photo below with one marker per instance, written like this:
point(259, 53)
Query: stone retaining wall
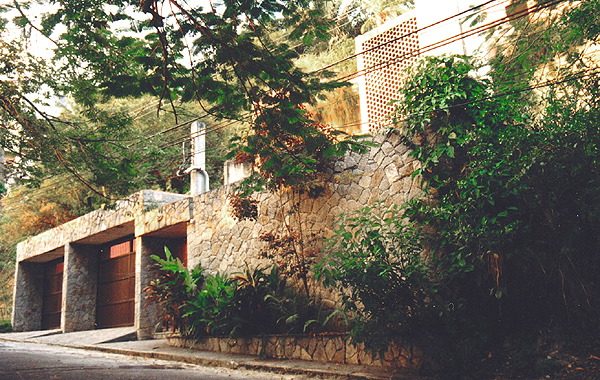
point(324, 349)
point(219, 242)
point(216, 240)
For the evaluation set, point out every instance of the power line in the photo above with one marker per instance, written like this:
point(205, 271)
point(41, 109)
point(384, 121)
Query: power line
point(199, 133)
point(223, 126)
point(567, 78)
point(354, 55)
point(582, 74)
point(427, 48)
point(375, 47)
point(400, 37)
point(447, 41)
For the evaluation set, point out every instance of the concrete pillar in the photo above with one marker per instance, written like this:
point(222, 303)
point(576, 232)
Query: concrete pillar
point(147, 315)
point(27, 297)
point(199, 182)
point(80, 287)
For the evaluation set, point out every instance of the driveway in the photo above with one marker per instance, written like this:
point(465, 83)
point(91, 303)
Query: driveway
point(25, 360)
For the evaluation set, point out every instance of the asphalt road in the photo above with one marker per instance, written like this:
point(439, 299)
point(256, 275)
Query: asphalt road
point(24, 361)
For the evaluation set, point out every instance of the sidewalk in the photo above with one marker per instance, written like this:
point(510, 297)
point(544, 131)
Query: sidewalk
point(119, 341)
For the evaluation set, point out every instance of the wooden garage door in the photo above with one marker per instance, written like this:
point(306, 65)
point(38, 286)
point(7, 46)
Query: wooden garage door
point(116, 285)
point(52, 299)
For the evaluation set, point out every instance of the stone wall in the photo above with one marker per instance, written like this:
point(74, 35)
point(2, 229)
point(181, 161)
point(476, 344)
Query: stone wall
point(215, 239)
point(87, 225)
point(157, 218)
point(27, 297)
point(324, 349)
point(219, 242)
point(157, 203)
point(147, 314)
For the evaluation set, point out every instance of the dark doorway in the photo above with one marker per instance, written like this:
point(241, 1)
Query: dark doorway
point(178, 248)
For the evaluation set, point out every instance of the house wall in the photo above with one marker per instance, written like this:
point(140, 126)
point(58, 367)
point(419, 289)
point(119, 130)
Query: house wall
point(215, 239)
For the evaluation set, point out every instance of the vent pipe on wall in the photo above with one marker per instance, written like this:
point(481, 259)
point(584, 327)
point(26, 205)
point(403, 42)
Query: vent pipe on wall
point(198, 174)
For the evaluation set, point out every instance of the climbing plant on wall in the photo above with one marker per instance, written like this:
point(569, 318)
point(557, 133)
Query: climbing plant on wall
point(508, 221)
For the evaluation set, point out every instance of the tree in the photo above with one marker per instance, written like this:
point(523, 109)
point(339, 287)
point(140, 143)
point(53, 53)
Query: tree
point(544, 39)
point(234, 71)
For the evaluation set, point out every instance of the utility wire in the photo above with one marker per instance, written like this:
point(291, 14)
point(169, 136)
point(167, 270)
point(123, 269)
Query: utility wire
point(446, 41)
point(400, 37)
point(393, 60)
point(199, 133)
point(373, 69)
point(247, 117)
point(583, 74)
point(338, 27)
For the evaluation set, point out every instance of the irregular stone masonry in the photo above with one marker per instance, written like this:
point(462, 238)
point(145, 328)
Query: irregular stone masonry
point(218, 242)
point(324, 349)
point(215, 239)
point(126, 210)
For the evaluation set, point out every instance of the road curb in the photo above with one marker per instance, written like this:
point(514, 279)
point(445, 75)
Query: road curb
point(238, 364)
point(279, 366)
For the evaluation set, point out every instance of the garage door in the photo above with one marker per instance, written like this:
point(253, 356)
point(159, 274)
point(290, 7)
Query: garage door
point(52, 299)
point(116, 285)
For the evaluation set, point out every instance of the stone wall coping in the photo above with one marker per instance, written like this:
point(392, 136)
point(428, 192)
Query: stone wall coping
point(68, 232)
point(163, 216)
point(160, 198)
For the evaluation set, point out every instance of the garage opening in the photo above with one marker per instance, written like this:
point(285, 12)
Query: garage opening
point(52, 298)
point(178, 248)
point(116, 284)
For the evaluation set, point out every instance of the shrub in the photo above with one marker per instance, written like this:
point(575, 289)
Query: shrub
point(172, 290)
point(375, 260)
point(5, 327)
point(510, 226)
point(254, 302)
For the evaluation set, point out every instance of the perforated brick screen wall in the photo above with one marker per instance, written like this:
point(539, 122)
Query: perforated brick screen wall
point(383, 68)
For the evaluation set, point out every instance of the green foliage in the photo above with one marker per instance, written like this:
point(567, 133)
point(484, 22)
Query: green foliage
point(5, 327)
point(438, 122)
point(512, 230)
point(511, 195)
point(235, 71)
point(29, 211)
point(255, 302)
point(502, 242)
point(467, 149)
point(376, 258)
point(210, 311)
point(254, 291)
point(541, 43)
point(172, 289)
